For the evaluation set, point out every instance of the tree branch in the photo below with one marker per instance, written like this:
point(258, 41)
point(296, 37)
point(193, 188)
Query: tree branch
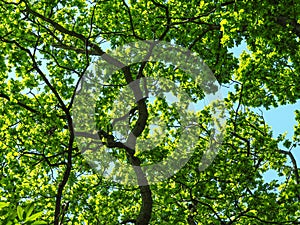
point(295, 168)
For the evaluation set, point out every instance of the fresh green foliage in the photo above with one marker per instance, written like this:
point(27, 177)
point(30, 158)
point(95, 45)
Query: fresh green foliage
point(46, 47)
point(19, 215)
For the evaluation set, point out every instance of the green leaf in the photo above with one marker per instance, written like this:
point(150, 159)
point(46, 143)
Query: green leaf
point(39, 223)
point(34, 216)
point(20, 212)
point(287, 143)
point(29, 210)
point(3, 204)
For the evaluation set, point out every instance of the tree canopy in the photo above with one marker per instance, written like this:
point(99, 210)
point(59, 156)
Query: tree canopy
point(46, 50)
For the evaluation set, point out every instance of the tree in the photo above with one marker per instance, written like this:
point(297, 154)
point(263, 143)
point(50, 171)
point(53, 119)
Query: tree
point(48, 46)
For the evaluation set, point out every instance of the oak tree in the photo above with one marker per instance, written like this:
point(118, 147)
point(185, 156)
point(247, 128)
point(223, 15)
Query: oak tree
point(47, 47)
